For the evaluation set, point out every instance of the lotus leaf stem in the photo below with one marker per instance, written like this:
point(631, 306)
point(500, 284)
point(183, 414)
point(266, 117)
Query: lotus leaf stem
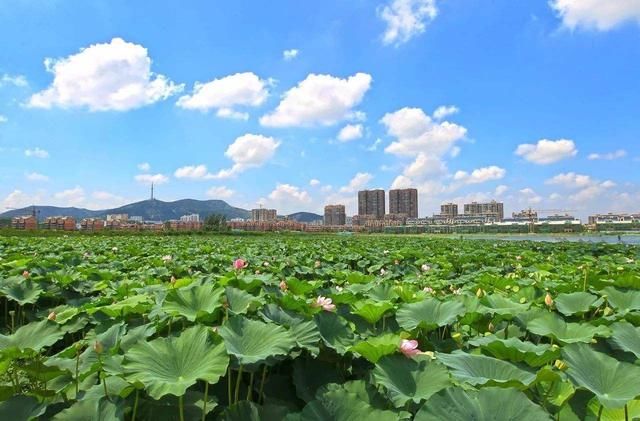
point(229, 384)
point(600, 412)
point(135, 406)
point(206, 397)
point(626, 413)
point(264, 376)
point(237, 392)
point(181, 407)
point(250, 388)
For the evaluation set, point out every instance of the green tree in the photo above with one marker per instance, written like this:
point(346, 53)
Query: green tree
point(216, 223)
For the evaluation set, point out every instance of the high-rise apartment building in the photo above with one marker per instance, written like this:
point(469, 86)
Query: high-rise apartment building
point(194, 217)
point(371, 203)
point(403, 202)
point(449, 210)
point(335, 215)
point(264, 215)
point(490, 210)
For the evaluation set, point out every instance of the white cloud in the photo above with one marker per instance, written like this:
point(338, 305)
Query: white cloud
point(529, 196)
point(416, 132)
point(406, 19)
point(193, 172)
point(314, 182)
point(71, 197)
point(290, 54)
point(374, 146)
point(248, 151)
point(220, 192)
point(106, 196)
point(287, 198)
point(445, 111)
point(350, 132)
point(3, 119)
point(111, 76)
point(596, 14)
point(500, 190)
point(425, 165)
point(225, 94)
point(358, 182)
point(232, 114)
point(547, 151)
point(15, 80)
point(19, 199)
point(610, 156)
point(480, 175)
point(319, 100)
point(571, 180)
point(151, 178)
point(34, 176)
point(144, 166)
point(105, 200)
point(36, 153)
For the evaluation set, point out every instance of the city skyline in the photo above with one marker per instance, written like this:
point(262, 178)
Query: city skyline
point(301, 106)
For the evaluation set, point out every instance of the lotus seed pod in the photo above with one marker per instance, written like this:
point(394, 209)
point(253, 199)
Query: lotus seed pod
point(97, 347)
point(548, 300)
point(560, 365)
point(52, 316)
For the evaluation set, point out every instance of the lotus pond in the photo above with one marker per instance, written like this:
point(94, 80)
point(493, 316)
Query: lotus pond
point(317, 328)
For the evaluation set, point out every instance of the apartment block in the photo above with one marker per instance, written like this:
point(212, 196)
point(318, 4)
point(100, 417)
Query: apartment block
point(491, 210)
point(120, 217)
point(194, 217)
point(371, 203)
point(28, 223)
point(91, 224)
point(264, 215)
point(60, 223)
point(403, 202)
point(449, 210)
point(335, 215)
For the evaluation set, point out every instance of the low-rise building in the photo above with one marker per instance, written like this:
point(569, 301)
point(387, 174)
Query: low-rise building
point(193, 217)
point(121, 217)
point(27, 222)
point(91, 224)
point(59, 223)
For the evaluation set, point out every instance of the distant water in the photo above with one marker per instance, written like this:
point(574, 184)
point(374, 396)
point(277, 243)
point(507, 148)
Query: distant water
point(587, 238)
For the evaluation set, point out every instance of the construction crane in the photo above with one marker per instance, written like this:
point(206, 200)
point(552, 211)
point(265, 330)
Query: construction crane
point(532, 215)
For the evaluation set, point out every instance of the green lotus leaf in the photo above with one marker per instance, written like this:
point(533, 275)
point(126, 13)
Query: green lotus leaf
point(549, 324)
point(167, 408)
point(171, 365)
point(480, 370)
point(340, 405)
point(428, 314)
point(624, 301)
point(335, 331)
point(193, 301)
point(136, 304)
point(249, 411)
point(576, 302)
point(310, 375)
point(241, 301)
point(516, 350)
point(613, 382)
point(93, 409)
point(616, 414)
point(371, 311)
point(377, 347)
point(23, 291)
point(487, 404)
point(34, 336)
point(498, 304)
point(253, 341)
point(410, 379)
point(21, 407)
point(307, 336)
point(626, 337)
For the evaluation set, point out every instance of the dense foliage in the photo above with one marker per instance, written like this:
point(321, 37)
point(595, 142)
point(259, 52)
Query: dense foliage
point(317, 328)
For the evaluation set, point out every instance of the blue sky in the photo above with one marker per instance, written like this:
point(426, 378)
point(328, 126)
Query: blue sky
point(299, 104)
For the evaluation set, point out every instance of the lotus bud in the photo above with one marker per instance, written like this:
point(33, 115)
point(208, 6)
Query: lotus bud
point(316, 264)
point(560, 365)
point(428, 290)
point(52, 316)
point(257, 272)
point(283, 286)
point(265, 264)
point(173, 280)
point(491, 327)
point(425, 268)
point(239, 264)
point(325, 303)
point(339, 288)
point(26, 274)
point(114, 249)
point(518, 257)
point(382, 272)
point(457, 336)
point(396, 262)
point(479, 293)
point(167, 258)
point(548, 300)
point(409, 347)
point(97, 347)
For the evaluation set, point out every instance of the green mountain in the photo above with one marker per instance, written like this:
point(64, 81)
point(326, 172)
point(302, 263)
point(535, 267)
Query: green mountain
point(305, 217)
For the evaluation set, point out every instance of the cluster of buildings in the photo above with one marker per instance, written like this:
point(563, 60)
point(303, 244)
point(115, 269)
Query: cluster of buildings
point(115, 222)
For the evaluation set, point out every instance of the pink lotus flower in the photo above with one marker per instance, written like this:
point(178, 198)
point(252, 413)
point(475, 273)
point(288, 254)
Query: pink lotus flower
point(409, 347)
point(548, 300)
point(518, 257)
point(325, 303)
point(167, 258)
point(173, 280)
point(428, 290)
point(283, 286)
point(239, 264)
point(382, 272)
point(316, 264)
point(425, 268)
point(26, 274)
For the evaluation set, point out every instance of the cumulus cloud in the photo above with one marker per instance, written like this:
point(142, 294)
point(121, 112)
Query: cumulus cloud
point(111, 76)
point(350, 132)
point(586, 187)
point(194, 172)
point(601, 15)
point(219, 192)
point(287, 198)
point(547, 151)
point(319, 100)
point(610, 156)
point(151, 178)
point(314, 182)
point(225, 94)
point(34, 176)
point(248, 151)
point(480, 175)
point(71, 197)
point(406, 19)
point(500, 190)
point(358, 182)
point(425, 165)
point(19, 199)
point(571, 180)
point(529, 196)
point(15, 80)
point(374, 146)
point(289, 55)
point(445, 111)
point(144, 166)
point(36, 153)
